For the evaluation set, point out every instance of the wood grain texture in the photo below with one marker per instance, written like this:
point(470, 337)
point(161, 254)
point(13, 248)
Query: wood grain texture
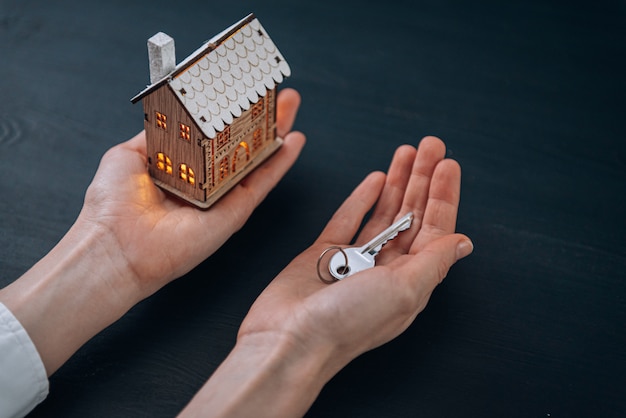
point(529, 99)
point(224, 92)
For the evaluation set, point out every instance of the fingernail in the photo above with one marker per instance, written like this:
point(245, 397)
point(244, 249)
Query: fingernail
point(464, 248)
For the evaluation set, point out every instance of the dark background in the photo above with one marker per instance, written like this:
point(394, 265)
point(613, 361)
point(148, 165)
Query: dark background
point(529, 97)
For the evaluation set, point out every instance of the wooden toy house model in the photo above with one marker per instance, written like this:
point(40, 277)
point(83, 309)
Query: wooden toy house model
point(211, 119)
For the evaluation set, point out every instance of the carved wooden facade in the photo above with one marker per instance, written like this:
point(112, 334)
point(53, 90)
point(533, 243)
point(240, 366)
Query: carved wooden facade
point(212, 119)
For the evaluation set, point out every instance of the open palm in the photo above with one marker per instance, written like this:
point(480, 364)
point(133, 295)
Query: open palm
point(369, 308)
point(162, 237)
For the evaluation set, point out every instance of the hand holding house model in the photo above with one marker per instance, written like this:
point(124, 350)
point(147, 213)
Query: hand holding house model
point(211, 119)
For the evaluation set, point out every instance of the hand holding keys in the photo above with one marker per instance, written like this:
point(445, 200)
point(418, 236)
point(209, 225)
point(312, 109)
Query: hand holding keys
point(348, 261)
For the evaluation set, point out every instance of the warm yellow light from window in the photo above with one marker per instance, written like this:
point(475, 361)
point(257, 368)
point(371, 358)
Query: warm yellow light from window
point(186, 174)
point(192, 178)
point(224, 168)
point(184, 132)
point(161, 120)
point(164, 163)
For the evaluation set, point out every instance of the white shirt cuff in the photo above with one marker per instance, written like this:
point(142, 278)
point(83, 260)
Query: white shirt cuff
point(23, 378)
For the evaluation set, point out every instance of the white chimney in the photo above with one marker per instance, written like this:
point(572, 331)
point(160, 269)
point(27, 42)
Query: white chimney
point(162, 56)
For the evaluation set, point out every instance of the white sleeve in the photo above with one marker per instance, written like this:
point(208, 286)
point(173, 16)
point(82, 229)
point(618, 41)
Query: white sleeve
point(23, 379)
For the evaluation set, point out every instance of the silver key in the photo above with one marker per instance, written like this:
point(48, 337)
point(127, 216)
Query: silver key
point(362, 258)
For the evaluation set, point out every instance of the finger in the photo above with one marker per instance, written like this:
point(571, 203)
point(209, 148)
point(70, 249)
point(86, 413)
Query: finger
point(442, 205)
point(426, 269)
point(125, 160)
point(239, 203)
point(137, 143)
point(347, 219)
point(391, 198)
point(287, 105)
point(430, 151)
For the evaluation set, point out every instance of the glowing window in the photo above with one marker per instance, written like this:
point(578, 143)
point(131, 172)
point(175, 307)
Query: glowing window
point(257, 109)
point(161, 120)
point(186, 174)
point(223, 137)
point(184, 132)
point(164, 163)
point(224, 168)
point(257, 139)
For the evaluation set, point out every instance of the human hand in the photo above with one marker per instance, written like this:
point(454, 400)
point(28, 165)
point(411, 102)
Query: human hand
point(162, 238)
point(129, 240)
point(342, 320)
point(300, 331)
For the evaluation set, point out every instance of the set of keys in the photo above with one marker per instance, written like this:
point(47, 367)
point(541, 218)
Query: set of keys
point(348, 261)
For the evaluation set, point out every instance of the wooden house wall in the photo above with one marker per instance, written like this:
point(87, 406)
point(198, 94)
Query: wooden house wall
point(271, 115)
point(169, 142)
point(205, 155)
point(242, 131)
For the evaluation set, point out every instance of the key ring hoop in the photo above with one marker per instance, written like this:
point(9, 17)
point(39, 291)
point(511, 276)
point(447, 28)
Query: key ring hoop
point(319, 260)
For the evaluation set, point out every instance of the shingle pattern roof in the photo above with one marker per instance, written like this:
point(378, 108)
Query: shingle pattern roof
point(227, 80)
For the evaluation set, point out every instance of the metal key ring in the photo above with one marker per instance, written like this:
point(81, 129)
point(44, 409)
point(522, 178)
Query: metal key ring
point(319, 260)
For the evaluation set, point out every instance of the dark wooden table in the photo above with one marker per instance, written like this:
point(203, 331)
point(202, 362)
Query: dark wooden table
point(528, 95)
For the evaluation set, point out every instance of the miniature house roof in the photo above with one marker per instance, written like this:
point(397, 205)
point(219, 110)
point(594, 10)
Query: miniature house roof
point(226, 75)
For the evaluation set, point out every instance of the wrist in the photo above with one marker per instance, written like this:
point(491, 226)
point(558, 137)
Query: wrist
point(103, 264)
point(265, 366)
point(79, 288)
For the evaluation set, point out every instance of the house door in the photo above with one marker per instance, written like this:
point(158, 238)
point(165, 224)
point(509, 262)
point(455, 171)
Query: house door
point(241, 156)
